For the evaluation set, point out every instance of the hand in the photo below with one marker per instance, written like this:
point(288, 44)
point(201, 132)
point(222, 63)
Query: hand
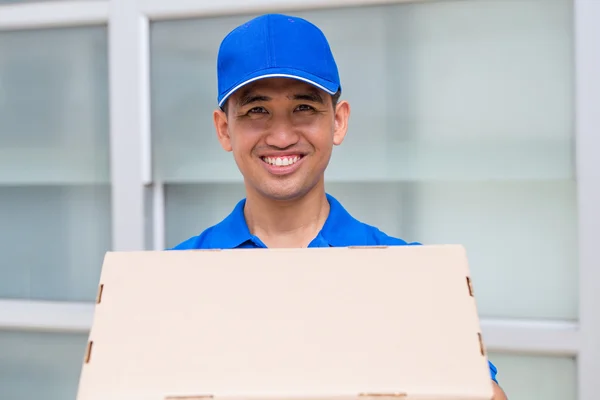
point(498, 392)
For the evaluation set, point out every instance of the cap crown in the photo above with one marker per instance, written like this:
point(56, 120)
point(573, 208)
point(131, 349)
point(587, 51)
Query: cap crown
point(275, 45)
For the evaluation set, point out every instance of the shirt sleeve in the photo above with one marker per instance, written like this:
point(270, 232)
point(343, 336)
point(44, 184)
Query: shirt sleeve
point(493, 371)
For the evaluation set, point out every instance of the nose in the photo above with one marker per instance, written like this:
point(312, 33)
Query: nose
point(282, 134)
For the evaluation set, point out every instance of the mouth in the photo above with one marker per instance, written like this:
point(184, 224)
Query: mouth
point(282, 165)
point(282, 161)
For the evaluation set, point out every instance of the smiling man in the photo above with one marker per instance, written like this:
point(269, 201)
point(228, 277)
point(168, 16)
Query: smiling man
point(280, 115)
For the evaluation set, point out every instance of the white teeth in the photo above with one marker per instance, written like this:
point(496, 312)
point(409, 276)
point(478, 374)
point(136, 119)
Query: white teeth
point(281, 161)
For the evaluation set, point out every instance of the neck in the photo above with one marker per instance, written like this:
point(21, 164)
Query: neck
point(290, 223)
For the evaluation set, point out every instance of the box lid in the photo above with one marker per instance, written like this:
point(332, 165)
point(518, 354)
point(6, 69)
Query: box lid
point(286, 323)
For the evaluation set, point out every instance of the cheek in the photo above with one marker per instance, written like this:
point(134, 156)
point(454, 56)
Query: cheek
point(320, 135)
point(243, 137)
point(243, 143)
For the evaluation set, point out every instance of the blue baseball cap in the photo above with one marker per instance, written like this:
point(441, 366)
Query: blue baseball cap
point(275, 46)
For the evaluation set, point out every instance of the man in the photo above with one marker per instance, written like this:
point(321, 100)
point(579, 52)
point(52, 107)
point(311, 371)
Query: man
point(280, 115)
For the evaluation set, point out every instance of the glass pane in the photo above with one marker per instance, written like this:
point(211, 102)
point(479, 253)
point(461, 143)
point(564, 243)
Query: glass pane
point(53, 241)
point(40, 365)
point(471, 140)
point(54, 106)
point(54, 191)
point(536, 377)
point(467, 90)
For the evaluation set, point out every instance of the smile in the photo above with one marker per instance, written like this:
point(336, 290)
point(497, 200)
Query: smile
point(283, 161)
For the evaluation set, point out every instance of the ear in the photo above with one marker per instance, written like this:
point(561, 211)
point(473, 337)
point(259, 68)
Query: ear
point(222, 128)
point(342, 114)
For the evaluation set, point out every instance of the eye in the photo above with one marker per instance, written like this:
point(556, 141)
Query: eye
point(257, 110)
point(304, 107)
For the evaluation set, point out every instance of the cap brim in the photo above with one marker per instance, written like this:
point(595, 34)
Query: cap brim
point(325, 85)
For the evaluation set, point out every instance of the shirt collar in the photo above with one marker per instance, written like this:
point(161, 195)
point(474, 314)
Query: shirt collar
point(339, 229)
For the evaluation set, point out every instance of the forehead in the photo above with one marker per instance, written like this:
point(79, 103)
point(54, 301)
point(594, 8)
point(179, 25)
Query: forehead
point(274, 86)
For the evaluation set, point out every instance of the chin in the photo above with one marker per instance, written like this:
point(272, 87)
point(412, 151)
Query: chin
point(283, 189)
point(283, 194)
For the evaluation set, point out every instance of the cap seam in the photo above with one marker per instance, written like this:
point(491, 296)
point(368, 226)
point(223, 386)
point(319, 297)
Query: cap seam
point(278, 67)
point(241, 83)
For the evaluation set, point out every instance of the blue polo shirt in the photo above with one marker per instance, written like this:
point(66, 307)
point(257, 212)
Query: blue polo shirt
point(340, 230)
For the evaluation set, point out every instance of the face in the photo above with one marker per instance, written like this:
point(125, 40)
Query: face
point(281, 133)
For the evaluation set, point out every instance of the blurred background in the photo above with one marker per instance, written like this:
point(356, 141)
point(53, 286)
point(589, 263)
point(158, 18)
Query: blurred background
point(472, 122)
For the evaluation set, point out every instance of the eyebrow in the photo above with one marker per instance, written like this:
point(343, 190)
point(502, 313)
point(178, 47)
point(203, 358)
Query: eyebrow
point(249, 98)
point(310, 96)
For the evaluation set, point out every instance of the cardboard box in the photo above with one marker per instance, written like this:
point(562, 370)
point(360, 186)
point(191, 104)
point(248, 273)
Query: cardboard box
point(335, 323)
